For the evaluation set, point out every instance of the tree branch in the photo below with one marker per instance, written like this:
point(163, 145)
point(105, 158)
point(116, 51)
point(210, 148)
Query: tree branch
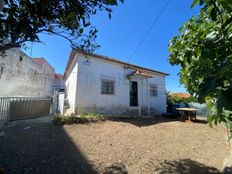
point(8, 46)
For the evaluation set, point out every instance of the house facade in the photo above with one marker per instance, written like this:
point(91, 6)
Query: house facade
point(95, 83)
point(21, 75)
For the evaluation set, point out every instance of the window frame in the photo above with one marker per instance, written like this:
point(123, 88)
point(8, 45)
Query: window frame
point(153, 90)
point(108, 90)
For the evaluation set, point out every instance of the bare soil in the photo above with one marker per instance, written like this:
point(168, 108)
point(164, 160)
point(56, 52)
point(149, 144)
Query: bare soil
point(151, 145)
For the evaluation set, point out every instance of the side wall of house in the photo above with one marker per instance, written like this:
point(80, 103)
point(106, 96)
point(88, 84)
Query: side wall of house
point(20, 76)
point(71, 89)
point(89, 97)
point(88, 92)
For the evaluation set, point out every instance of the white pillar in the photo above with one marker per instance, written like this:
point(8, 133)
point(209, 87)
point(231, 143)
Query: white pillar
point(61, 103)
point(139, 96)
point(148, 99)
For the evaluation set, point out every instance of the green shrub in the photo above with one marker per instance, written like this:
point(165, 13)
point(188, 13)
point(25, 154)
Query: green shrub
point(82, 119)
point(91, 115)
point(175, 99)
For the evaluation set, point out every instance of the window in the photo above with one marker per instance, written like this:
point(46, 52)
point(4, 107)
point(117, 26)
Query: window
point(107, 87)
point(153, 91)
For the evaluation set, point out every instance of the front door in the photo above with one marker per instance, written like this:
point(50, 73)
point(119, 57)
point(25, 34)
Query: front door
point(133, 93)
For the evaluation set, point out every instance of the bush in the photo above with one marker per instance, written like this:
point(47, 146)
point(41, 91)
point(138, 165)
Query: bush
point(82, 119)
point(91, 115)
point(172, 100)
point(175, 99)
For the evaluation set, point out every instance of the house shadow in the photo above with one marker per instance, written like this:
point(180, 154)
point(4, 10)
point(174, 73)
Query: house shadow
point(185, 166)
point(41, 148)
point(142, 121)
point(148, 121)
point(200, 121)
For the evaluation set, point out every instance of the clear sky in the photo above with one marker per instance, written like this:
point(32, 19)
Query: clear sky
point(120, 35)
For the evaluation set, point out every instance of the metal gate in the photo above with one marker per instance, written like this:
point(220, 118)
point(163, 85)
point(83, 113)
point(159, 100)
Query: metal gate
point(17, 108)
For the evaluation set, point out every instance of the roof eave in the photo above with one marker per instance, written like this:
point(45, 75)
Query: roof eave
point(109, 59)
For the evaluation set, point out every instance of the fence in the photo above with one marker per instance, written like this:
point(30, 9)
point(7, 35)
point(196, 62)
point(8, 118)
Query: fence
point(17, 108)
point(202, 109)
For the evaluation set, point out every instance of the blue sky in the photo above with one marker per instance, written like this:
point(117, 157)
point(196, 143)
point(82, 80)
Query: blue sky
point(120, 35)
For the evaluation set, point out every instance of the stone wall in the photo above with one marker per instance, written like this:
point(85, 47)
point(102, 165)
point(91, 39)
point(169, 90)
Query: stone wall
point(21, 76)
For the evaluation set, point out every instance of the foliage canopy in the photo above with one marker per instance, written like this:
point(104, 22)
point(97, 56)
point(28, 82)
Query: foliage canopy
point(203, 49)
point(23, 20)
point(175, 99)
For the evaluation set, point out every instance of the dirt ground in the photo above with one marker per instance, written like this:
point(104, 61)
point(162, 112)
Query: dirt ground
point(151, 145)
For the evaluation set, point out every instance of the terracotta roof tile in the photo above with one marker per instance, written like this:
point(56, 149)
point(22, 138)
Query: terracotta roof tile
point(106, 58)
point(141, 73)
point(180, 95)
point(39, 61)
point(58, 76)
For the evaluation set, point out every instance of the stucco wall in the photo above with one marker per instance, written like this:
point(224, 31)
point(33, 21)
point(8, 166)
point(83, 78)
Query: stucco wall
point(88, 89)
point(20, 76)
point(71, 89)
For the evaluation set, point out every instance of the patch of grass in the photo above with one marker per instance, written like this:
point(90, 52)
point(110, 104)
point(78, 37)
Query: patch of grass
point(82, 119)
point(91, 115)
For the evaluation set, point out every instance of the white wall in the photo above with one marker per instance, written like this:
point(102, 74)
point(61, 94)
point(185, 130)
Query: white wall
point(71, 89)
point(89, 86)
point(24, 77)
point(158, 103)
point(61, 103)
point(88, 90)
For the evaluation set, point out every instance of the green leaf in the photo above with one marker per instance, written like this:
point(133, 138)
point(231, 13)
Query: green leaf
point(227, 4)
point(81, 30)
point(201, 2)
point(111, 2)
point(194, 3)
point(224, 100)
point(211, 120)
point(213, 14)
point(230, 138)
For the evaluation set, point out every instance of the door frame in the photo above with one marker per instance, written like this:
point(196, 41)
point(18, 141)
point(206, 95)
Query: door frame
point(133, 94)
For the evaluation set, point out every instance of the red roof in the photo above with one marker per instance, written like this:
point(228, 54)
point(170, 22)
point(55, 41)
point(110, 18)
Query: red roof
point(39, 61)
point(110, 59)
point(141, 73)
point(58, 76)
point(180, 95)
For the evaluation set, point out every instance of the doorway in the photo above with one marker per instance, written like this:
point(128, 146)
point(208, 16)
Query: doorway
point(133, 93)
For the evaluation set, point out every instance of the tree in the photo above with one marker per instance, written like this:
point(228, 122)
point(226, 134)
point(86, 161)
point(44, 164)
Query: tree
point(203, 49)
point(23, 20)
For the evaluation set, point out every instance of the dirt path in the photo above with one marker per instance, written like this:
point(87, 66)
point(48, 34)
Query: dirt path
point(126, 146)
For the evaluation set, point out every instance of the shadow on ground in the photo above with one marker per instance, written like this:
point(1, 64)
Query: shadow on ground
point(185, 166)
point(141, 122)
point(148, 121)
point(40, 148)
point(200, 121)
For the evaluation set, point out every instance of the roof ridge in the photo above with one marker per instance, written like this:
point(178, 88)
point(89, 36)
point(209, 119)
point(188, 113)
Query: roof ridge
point(118, 61)
point(107, 58)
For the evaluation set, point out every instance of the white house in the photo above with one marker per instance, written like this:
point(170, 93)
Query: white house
point(96, 83)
